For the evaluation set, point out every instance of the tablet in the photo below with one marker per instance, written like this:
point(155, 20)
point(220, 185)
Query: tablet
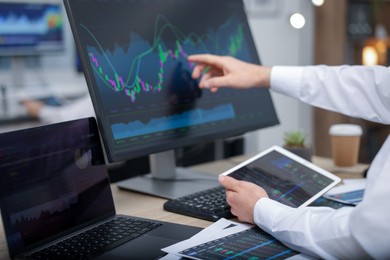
point(286, 177)
point(349, 194)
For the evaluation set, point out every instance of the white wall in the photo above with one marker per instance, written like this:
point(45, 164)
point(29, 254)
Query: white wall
point(280, 44)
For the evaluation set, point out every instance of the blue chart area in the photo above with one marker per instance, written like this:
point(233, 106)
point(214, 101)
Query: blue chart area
point(33, 21)
point(189, 118)
point(250, 244)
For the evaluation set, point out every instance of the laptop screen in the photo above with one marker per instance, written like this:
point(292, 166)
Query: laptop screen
point(52, 180)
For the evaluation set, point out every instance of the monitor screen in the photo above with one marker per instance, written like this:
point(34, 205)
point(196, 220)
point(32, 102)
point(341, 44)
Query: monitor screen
point(134, 54)
point(30, 27)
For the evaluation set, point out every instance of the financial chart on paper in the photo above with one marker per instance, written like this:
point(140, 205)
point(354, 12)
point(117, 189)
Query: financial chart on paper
point(250, 244)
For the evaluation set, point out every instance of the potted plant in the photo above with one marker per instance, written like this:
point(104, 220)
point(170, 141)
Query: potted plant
point(294, 141)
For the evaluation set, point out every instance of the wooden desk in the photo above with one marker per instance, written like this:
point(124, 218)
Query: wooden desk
point(140, 205)
point(344, 173)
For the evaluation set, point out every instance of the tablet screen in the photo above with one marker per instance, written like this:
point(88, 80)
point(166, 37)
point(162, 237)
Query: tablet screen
point(286, 177)
point(351, 197)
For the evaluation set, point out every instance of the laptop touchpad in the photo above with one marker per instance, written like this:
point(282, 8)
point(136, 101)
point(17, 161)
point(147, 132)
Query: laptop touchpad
point(139, 248)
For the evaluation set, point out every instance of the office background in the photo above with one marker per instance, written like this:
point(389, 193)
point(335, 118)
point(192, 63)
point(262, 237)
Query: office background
point(324, 38)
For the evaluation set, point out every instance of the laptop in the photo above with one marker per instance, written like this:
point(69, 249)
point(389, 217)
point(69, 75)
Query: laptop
point(55, 189)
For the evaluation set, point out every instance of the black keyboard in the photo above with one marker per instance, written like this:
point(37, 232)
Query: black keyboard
point(209, 204)
point(96, 240)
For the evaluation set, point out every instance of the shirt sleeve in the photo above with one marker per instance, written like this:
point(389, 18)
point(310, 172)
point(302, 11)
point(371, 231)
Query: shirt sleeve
point(351, 232)
point(316, 231)
point(356, 91)
point(77, 109)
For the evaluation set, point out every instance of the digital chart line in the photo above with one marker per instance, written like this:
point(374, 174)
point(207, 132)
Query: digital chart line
point(133, 83)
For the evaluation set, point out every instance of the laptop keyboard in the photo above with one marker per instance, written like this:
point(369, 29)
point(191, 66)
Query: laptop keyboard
point(97, 240)
point(209, 204)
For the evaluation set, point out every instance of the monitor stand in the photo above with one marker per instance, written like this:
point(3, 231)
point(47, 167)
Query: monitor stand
point(168, 181)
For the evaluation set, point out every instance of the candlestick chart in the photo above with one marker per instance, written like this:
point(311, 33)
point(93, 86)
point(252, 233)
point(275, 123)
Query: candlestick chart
point(155, 72)
point(125, 72)
point(134, 84)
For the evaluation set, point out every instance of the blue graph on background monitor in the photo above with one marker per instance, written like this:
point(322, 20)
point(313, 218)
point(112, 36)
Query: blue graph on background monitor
point(30, 28)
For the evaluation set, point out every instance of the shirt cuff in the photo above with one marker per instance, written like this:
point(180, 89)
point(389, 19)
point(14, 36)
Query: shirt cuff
point(266, 211)
point(287, 80)
point(49, 114)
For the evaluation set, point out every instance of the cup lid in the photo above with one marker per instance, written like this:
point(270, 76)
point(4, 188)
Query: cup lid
point(345, 130)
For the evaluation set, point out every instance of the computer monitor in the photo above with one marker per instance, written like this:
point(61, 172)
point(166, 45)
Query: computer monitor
point(29, 28)
point(134, 55)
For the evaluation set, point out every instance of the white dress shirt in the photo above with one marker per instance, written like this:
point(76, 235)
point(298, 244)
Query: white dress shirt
point(351, 232)
point(79, 108)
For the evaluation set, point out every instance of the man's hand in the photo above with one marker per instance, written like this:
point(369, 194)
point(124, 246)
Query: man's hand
point(33, 107)
point(242, 197)
point(224, 71)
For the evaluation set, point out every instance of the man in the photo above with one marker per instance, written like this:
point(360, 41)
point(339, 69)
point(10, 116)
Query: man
point(79, 108)
point(351, 232)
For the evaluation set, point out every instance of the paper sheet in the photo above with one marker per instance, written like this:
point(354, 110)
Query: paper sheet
point(221, 228)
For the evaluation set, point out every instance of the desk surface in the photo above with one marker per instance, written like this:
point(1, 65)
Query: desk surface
point(140, 205)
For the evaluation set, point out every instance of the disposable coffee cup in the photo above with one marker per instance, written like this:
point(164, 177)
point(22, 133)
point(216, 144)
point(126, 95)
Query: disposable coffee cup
point(345, 140)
